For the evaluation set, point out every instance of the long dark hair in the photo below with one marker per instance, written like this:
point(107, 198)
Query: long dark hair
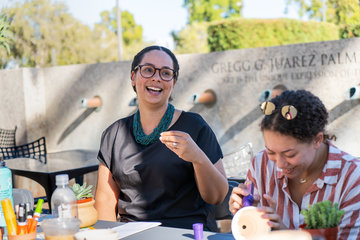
point(311, 118)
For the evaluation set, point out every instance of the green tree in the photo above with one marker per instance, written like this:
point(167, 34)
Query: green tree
point(131, 32)
point(337, 11)
point(211, 10)
point(5, 34)
point(192, 39)
point(46, 34)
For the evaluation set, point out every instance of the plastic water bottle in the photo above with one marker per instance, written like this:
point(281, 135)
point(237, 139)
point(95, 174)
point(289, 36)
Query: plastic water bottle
point(63, 199)
point(5, 188)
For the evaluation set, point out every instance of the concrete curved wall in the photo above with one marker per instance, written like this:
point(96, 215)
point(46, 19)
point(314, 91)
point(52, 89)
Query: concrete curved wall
point(46, 101)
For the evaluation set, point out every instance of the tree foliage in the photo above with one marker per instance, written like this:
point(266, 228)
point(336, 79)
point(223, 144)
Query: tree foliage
point(211, 10)
point(192, 39)
point(5, 34)
point(350, 31)
point(46, 34)
point(337, 11)
point(131, 32)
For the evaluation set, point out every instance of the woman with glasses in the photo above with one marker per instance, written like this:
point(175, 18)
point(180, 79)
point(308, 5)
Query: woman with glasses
point(300, 166)
point(160, 164)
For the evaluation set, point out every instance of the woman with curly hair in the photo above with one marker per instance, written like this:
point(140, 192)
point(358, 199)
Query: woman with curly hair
point(300, 166)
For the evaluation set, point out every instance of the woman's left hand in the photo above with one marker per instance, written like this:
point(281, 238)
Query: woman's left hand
point(182, 144)
point(270, 213)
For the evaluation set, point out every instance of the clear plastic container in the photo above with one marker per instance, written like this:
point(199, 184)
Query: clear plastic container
point(5, 188)
point(63, 199)
point(60, 228)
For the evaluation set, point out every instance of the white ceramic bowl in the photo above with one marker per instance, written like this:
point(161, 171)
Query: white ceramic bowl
point(247, 222)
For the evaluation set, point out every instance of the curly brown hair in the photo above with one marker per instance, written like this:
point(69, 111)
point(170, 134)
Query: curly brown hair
point(311, 118)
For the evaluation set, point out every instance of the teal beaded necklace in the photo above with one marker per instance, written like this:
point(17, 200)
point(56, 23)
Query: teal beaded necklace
point(164, 124)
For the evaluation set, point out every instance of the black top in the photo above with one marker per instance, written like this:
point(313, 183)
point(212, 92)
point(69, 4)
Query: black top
point(155, 184)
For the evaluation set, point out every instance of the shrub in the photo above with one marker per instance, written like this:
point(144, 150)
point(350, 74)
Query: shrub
point(249, 33)
point(349, 31)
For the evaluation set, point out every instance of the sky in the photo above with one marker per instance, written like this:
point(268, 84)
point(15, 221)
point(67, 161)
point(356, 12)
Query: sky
point(160, 17)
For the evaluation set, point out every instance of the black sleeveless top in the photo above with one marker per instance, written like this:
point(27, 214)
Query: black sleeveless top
point(155, 184)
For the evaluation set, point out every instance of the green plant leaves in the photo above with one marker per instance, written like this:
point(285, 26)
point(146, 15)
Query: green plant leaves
point(322, 215)
point(82, 192)
point(5, 34)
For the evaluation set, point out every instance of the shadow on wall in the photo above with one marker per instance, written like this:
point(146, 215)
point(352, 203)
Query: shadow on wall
point(75, 124)
point(91, 105)
point(342, 108)
point(253, 115)
point(240, 125)
point(336, 112)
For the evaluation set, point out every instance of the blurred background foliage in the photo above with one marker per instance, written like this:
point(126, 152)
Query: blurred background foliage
point(42, 33)
point(250, 33)
point(5, 34)
point(333, 11)
point(46, 34)
point(212, 10)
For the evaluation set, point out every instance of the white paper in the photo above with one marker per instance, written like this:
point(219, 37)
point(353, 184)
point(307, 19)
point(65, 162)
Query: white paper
point(134, 227)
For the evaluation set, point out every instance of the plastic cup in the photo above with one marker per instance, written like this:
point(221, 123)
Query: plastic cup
point(60, 228)
point(29, 236)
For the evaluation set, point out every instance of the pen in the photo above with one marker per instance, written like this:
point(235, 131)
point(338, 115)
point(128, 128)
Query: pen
point(22, 227)
point(9, 216)
point(29, 213)
point(37, 212)
point(17, 211)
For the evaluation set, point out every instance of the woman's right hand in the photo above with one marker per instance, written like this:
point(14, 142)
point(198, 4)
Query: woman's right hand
point(236, 198)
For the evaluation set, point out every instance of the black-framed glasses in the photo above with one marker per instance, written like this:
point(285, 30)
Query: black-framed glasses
point(148, 70)
point(289, 112)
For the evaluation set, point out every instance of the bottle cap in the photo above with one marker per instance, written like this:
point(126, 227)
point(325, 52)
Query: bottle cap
point(62, 179)
point(198, 231)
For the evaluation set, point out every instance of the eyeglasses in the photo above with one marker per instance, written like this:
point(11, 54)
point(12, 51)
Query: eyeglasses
point(289, 112)
point(148, 70)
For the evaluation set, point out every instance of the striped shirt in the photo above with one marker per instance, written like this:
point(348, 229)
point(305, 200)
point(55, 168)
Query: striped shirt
point(339, 182)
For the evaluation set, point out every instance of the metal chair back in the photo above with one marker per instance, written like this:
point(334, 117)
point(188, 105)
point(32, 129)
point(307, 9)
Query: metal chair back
point(8, 137)
point(35, 149)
